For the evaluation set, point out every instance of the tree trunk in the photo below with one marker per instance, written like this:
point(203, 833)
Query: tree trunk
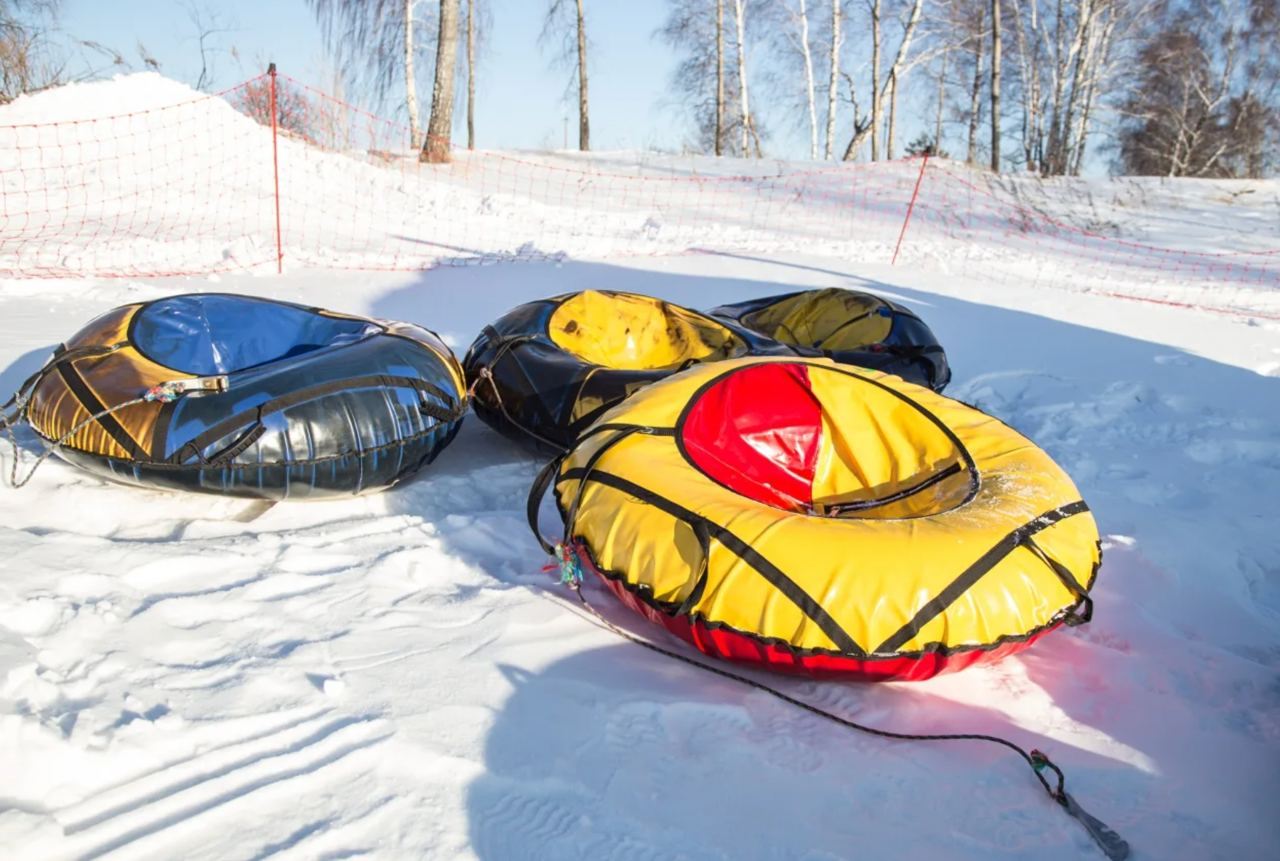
point(832, 83)
point(1029, 78)
point(861, 129)
point(942, 92)
point(471, 74)
point(584, 124)
point(995, 86)
point(1084, 131)
point(893, 113)
point(1052, 156)
point(1098, 65)
point(439, 128)
point(875, 80)
point(975, 94)
point(719, 77)
point(410, 87)
point(743, 102)
point(1082, 48)
point(808, 80)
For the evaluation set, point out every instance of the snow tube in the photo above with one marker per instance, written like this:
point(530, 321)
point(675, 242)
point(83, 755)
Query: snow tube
point(249, 397)
point(546, 370)
point(850, 327)
point(809, 517)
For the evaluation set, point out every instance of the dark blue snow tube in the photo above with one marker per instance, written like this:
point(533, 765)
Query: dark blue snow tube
point(849, 327)
point(271, 400)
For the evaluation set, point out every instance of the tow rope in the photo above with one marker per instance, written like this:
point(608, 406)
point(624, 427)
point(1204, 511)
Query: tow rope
point(570, 572)
point(14, 411)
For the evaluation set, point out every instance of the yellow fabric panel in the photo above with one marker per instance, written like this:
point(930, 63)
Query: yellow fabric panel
point(830, 319)
point(113, 379)
point(658, 552)
point(1018, 595)
point(54, 411)
point(630, 332)
point(586, 402)
point(1074, 544)
point(110, 328)
point(870, 575)
point(875, 444)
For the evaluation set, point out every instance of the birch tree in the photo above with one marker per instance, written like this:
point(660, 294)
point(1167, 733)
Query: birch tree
point(471, 74)
point(378, 44)
point(410, 85)
point(746, 126)
point(473, 28)
point(436, 147)
point(719, 148)
point(995, 85)
point(1067, 64)
point(794, 34)
point(909, 23)
point(833, 82)
point(708, 75)
point(1205, 101)
point(977, 42)
point(940, 103)
point(566, 21)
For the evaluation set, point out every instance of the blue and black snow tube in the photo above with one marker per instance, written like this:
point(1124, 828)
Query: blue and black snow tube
point(249, 397)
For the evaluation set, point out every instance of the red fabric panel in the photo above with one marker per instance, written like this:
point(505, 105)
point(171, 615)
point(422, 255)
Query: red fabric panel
point(740, 648)
point(757, 432)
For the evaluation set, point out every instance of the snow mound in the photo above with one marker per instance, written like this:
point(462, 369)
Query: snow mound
point(92, 100)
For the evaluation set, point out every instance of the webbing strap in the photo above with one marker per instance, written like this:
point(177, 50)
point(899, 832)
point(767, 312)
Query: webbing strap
point(975, 572)
point(194, 449)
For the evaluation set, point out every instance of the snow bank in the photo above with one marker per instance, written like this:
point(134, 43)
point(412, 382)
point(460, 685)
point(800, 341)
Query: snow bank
point(90, 100)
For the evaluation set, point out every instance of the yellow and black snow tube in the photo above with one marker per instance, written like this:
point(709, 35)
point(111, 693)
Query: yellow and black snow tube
point(811, 517)
point(545, 370)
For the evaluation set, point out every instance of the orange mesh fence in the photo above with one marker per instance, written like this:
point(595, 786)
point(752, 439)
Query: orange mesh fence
point(190, 188)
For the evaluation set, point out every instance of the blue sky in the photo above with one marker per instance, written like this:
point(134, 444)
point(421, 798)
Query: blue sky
point(521, 96)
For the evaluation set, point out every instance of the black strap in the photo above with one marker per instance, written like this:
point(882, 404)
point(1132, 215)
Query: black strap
point(571, 517)
point(863, 505)
point(549, 471)
point(61, 355)
point(1083, 611)
point(194, 449)
point(975, 572)
point(89, 401)
point(703, 535)
point(237, 448)
point(534, 502)
point(505, 345)
point(1112, 844)
point(815, 612)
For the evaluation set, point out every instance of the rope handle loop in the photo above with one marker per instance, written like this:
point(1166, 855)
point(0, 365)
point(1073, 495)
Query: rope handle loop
point(547, 474)
point(163, 393)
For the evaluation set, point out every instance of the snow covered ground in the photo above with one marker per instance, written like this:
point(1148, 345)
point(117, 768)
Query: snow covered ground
point(394, 676)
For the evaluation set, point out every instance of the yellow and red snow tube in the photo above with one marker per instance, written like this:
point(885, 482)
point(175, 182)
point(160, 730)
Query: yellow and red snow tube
point(810, 517)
